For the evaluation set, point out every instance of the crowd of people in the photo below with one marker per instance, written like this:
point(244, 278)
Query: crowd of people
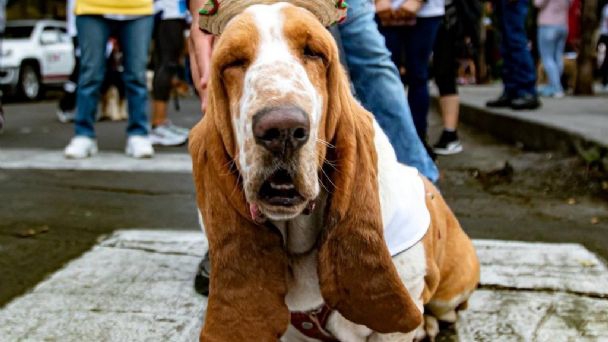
point(112, 42)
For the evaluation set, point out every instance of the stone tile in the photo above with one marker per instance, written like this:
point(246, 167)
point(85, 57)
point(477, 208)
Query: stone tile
point(558, 267)
point(136, 285)
point(533, 316)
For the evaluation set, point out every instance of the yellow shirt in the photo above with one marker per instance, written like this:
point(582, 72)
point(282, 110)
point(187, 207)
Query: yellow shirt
point(116, 7)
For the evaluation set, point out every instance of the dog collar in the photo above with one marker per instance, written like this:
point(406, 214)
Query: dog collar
point(312, 323)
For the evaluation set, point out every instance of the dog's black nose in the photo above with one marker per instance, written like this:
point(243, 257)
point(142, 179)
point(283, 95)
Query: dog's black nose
point(281, 130)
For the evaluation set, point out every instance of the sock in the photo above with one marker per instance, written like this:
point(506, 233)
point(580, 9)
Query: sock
point(450, 134)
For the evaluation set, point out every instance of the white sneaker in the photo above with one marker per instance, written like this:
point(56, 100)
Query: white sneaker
point(168, 135)
point(80, 147)
point(178, 129)
point(139, 147)
point(448, 144)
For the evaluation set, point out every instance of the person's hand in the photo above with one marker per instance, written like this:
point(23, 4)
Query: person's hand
point(384, 10)
point(200, 46)
point(409, 9)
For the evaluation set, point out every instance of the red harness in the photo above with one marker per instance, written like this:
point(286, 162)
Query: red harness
point(312, 323)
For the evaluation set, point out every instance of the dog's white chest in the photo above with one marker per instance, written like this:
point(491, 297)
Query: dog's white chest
point(300, 238)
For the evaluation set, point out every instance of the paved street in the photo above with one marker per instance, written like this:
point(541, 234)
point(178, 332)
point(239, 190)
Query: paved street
point(106, 249)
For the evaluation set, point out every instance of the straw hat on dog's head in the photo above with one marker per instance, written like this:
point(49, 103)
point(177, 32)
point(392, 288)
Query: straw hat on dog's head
point(217, 13)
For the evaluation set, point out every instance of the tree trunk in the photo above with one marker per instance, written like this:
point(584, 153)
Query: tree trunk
point(584, 78)
point(482, 64)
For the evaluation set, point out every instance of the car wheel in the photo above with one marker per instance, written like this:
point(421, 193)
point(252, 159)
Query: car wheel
point(29, 82)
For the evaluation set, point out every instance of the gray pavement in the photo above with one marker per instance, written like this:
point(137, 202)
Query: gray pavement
point(559, 124)
point(49, 217)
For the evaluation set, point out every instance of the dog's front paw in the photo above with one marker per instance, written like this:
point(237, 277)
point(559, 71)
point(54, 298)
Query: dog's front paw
point(428, 331)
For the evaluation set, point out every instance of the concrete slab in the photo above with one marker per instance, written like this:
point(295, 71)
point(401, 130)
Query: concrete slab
point(542, 266)
point(136, 285)
point(533, 316)
point(37, 159)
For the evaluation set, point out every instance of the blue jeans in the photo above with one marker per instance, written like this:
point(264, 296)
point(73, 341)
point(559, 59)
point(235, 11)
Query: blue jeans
point(379, 87)
point(518, 72)
point(134, 37)
point(416, 43)
point(551, 44)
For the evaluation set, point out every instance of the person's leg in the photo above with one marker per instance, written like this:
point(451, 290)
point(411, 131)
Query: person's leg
point(445, 65)
point(604, 68)
point(93, 34)
point(519, 71)
point(1, 95)
point(450, 109)
point(419, 41)
point(562, 36)
point(169, 44)
point(379, 88)
point(508, 86)
point(168, 48)
point(159, 108)
point(393, 38)
point(135, 36)
point(547, 44)
point(67, 103)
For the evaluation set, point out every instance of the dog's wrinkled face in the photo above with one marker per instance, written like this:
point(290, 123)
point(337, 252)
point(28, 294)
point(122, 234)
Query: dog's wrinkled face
point(274, 73)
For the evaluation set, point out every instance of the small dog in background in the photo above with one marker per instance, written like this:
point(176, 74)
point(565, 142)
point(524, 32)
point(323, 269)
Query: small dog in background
point(113, 103)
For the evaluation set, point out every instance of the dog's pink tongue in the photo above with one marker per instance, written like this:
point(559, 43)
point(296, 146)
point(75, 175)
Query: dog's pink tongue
point(256, 214)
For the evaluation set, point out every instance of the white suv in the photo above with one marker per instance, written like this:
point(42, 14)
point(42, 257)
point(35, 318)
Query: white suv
point(35, 54)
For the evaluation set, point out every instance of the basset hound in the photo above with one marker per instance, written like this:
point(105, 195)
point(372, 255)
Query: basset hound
point(316, 232)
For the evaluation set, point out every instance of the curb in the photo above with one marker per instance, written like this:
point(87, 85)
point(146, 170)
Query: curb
point(530, 134)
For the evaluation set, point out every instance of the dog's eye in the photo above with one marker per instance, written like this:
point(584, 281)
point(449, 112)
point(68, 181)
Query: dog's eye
point(308, 52)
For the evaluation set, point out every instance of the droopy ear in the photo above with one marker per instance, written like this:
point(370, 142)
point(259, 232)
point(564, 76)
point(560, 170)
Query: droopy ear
point(249, 265)
point(356, 272)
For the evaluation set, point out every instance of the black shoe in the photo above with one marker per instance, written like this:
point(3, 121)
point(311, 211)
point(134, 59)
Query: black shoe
point(526, 102)
point(448, 144)
point(201, 280)
point(503, 101)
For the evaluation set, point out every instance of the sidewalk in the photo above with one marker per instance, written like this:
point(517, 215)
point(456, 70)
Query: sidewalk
point(560, 124)
point(136, 285)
